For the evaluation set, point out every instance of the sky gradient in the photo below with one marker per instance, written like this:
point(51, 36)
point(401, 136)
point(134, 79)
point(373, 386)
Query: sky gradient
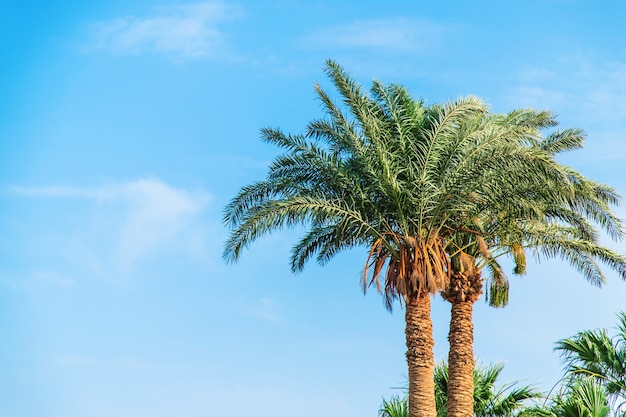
point(127, 126)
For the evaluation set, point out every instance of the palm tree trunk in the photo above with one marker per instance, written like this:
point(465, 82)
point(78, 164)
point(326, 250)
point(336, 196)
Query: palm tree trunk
point(420, 357)
point(461, 361)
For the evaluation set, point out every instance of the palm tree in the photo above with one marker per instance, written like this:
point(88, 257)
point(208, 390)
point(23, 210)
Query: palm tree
point(581, 397)
point(489, 400)
point(594, 354)
point(562, 229)
point(401, 179)
point(395, 407)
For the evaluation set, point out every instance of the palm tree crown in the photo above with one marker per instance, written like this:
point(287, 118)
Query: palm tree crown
point(397, 177)
point(404, 180)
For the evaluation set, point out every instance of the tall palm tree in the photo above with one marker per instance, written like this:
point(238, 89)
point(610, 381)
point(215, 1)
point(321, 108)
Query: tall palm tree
point(594, 354)
point(401, 179)
point(562, 229)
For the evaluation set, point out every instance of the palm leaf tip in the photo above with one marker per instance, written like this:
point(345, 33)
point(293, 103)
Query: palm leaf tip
point(394, 407)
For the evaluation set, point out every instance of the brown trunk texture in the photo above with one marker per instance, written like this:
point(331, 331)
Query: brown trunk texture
point(461, 361)
point(419, 357)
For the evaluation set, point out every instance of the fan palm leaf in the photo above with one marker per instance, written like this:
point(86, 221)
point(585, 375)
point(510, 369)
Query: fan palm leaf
point(490, 400)
point(594, 354)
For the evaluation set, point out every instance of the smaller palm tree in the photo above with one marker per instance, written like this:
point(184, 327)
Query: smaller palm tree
point(594, 354)
point(395, 407)
point(489, 399)
point(581, 397)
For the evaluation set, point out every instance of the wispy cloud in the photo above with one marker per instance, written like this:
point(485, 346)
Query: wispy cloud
point(54, 279)
point(157, 214)
point(63, 191)
point(265, 309)
point(185, 31)
point(127, 363)
point(593, 91)
point(134, 219)
point(36, 279)
point(398, 34)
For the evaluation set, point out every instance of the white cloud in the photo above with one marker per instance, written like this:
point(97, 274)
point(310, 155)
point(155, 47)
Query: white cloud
point(583, 93)
point(131, 222)
point(187, 31)
point(54, 279)
point(127, 363)
point(157, 213)
point(242, 163)
point(588, 91)
point(265, 309)
point(389, 34)
point(60, 191)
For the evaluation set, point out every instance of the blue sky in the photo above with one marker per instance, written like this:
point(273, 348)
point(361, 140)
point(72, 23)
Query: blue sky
point(126, 126)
